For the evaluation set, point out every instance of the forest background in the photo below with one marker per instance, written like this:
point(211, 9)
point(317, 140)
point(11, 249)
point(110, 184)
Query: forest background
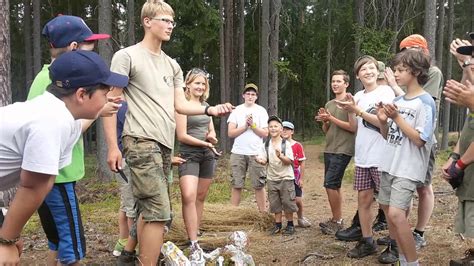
point(287, 47)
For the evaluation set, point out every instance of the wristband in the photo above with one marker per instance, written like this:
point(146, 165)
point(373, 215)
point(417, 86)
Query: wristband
point(466, 63)
point(359, 113)
point(206, 111)
point(461, 164)
point(8, 242)
point(253, 125)
point(455, 156)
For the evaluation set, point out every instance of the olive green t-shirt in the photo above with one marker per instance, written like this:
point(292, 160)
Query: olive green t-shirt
point(339, 140)
point(466, 190)
point(153, 79)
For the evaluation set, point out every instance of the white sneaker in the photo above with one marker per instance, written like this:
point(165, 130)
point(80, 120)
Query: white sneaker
point(303, 222)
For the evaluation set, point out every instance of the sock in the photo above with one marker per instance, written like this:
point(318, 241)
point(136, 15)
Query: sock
point(289, 223)
point(278, 225)
point(402, 259)
point(193, 242)
point(413, 263)
point(419, 232)
point(369, 239)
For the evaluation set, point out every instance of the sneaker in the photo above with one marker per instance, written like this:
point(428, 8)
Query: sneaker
point(126, 258)
point(196, 252)
point(379, 226)
point(383, 241)
point(389, 255)
point(330, 227)
point(467, 260)
point(362, 249)
point(352, 233)
point(419, 240)
point(289, 230)
point(275, 230)
point(119, 247)
point(303, 222)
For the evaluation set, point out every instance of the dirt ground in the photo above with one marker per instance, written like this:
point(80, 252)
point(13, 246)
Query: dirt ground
point(443, 244)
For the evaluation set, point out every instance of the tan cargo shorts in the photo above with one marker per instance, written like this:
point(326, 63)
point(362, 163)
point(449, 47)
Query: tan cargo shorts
point(150, 165)
point(240, 164)
point(282, 196)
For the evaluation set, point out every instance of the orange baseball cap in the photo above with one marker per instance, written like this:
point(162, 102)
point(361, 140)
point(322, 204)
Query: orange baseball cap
point(415, 40)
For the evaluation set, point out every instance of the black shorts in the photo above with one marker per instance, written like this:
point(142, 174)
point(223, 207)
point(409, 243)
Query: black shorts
point(298, 191)
point(334, 166)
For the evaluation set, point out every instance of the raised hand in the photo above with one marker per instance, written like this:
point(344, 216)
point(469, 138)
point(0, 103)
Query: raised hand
point(459, 93)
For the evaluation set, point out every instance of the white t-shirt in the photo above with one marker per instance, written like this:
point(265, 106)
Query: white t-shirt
point(248, 143)
point(276, 170)
point(369, 142)
point(402, 157)
point(37, 136)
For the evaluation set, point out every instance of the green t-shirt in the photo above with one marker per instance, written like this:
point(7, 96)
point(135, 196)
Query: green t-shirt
point(466, 190)
point(338, 140)
point(75, 170)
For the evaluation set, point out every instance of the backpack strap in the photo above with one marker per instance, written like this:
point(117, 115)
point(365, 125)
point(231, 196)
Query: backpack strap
point(283, 146)
point(267, 143)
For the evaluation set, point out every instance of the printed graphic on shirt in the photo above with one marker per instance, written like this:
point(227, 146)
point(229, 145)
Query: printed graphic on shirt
point(395, 135)
point(371, 110)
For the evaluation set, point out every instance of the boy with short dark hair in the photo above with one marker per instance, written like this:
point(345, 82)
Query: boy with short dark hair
point(409, 135)
point(339, 127)
point(59, 214)
point(37, 137)
point(278, 156)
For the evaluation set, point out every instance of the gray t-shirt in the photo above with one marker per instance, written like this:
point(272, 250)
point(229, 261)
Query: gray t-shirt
point(197, 126)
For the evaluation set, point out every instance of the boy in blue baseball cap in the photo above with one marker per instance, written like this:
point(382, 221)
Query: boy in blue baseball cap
point(37, 138)
point(65, 33)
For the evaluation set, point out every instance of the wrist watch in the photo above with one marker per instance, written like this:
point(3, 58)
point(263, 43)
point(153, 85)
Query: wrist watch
point(455, 156)
point(466, 63)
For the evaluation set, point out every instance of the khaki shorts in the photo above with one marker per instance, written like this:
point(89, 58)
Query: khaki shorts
point(239, 166)
point(396, 191)
point(127, 202)
point(464, 220)
point(282, 195)
point(150, 165)
point(431, 165)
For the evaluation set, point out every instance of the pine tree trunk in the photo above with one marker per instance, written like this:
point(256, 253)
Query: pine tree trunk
point(328, 55)
point(273, 70)
point(360, 18)
point(36, 36)
point(5, 56)
point(27, 40)
point(131, 21)
point(448, 71)
point(241, 51)
point(106, 51)
point(429, 26)
point(264, 55)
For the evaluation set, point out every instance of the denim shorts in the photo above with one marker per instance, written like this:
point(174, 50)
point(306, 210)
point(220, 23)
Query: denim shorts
point(334, 166)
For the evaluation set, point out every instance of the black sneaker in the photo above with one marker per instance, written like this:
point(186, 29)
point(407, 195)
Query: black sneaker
point(352, 233)
point(383, 241)
point(379, 226)
point(126, 258)
point(362, 249)
point(389, 255)
point(275, 230)
point(289, 230)
point(467, 260)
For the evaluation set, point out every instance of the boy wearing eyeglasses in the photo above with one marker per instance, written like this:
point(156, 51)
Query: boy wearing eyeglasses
point(154, 93)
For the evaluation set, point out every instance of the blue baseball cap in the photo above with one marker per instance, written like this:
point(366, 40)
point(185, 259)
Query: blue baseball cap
point(63, 30)
point(78, 69)
point(289, 125)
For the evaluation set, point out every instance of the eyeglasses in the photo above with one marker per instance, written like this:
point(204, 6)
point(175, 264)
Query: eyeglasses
point(168, 21)
point(197, 71)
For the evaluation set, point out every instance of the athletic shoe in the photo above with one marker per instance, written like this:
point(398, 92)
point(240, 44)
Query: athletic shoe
point(383, 241)
point(419, 240)
point(289, 230)
point(126, 258)
point(119, 247)
point(352, 233)
point(362, 249)
point(467, 260)
point(379, 226)
point(275, 230)
point(303, 222)
point(389, 255)
point(330, 227)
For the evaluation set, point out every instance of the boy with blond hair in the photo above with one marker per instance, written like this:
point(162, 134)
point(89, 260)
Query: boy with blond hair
point(154, 93)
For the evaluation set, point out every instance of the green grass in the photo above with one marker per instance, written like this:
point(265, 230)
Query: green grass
point(315, 140)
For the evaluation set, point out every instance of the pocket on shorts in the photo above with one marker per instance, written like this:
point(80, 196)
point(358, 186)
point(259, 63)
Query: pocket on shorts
point(292, 193)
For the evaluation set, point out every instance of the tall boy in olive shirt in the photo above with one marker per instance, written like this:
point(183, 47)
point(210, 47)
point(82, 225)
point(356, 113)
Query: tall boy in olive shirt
point(339, 127)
